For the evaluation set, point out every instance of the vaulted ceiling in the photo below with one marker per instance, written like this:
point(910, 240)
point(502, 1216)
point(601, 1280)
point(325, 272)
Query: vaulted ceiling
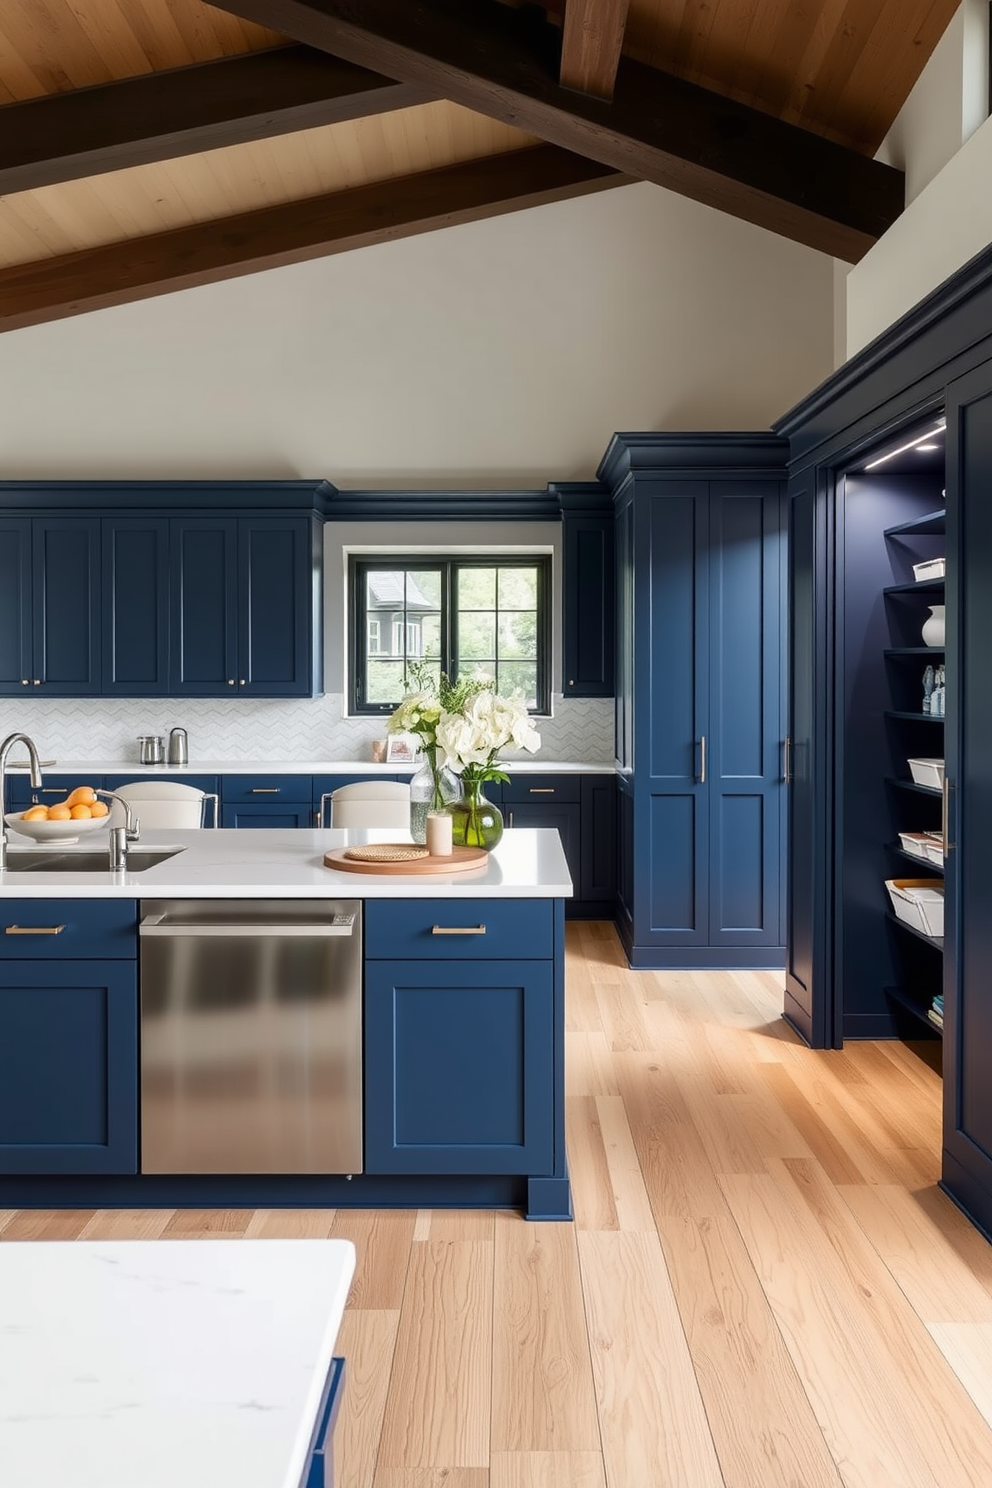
point(149, 145)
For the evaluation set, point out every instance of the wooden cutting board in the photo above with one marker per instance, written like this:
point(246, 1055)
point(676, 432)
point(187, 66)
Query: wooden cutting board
point(461, 859)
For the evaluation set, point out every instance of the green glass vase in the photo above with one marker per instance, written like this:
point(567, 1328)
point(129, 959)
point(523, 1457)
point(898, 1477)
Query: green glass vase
point(475, 821)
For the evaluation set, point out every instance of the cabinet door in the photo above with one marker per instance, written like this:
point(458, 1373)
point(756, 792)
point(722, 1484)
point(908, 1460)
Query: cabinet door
point(588, 605)
point(457, 1056)
point(203, 640)
point(563, 816)
point(135, 604)
point(967, 1162)
point(16, 660)
point(284, 815)
point(276, 596)
point(803, 870)
point(672, 667)
point(745, 723)
point(68, 1067)
point(598, 841)
point(65, 562)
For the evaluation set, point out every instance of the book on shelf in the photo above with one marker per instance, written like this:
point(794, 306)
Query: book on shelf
point(937, 1019)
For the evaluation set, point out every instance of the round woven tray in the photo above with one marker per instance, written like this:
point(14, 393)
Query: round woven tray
point(387, 852)
point(461, 860)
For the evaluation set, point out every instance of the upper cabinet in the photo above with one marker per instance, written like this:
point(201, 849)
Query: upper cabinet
point(49, 605)
point(215, 593)
point(588, 607)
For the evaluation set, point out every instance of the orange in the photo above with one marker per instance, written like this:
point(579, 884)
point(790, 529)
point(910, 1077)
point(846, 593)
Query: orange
point(80, 812)
point(99, 808)
point(59, 813)
point(83, 795)
point(35, 813)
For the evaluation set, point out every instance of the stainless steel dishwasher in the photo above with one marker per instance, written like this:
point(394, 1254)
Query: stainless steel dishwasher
point(251, 1036)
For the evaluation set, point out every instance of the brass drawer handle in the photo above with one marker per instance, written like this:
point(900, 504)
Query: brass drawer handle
point(33, 929)
point(542, 790)
point(459, 930)
point(266, 790)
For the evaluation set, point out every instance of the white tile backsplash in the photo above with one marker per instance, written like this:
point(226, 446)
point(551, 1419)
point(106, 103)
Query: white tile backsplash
point(581, 731)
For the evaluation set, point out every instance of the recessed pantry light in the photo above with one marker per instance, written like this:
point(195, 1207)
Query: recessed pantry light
point(922, 441)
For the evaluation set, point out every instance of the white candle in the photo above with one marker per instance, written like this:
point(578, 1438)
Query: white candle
point(439, 834)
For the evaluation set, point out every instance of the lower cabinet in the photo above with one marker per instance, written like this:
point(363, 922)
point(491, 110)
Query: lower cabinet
point(68, 1036)
point(287, 814)
point(459, 1042)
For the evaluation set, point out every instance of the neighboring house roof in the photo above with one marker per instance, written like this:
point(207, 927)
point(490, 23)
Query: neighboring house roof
point(386, 591)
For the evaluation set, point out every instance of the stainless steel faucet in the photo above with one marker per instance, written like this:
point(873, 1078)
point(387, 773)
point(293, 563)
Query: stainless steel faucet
point(131, 823)
point(5, 749)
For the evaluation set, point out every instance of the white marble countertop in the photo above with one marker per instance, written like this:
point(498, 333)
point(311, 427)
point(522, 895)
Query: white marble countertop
point(287, 863)
point(165, 1363)
point(292, 767)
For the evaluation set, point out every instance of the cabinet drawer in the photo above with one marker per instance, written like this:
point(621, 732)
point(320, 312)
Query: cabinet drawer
point(511, 929)
point(541, 788)
point(101, 929)
point(237, 790)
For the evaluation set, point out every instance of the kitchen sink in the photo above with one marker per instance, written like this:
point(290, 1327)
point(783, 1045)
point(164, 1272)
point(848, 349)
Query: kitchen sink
point(83, 862)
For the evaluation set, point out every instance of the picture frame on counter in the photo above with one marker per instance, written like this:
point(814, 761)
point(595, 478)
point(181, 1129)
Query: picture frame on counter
point(401, 749)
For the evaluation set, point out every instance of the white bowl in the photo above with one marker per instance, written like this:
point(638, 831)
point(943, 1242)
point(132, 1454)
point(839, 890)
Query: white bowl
point(55, 831)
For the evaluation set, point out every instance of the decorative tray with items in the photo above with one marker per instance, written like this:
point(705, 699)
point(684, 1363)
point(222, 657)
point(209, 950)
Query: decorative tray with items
point(404, 857)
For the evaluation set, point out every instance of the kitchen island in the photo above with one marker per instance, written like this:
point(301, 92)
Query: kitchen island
point(463, 995)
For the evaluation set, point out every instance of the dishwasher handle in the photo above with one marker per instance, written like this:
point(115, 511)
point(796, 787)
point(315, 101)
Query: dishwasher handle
point(160, 925)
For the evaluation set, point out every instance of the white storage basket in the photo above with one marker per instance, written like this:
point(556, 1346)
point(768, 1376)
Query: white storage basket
point(927, 772)
point(933, 568)
point(919, 902)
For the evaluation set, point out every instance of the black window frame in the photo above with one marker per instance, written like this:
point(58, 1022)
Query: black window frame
point(449, 563)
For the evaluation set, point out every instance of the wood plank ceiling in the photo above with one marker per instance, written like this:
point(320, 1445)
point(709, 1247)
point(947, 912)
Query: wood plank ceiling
point(146, 145)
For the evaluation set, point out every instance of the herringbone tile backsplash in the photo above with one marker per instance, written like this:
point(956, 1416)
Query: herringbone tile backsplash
point(581, 731)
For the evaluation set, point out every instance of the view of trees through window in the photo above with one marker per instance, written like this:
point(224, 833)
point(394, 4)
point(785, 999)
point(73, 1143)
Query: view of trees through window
point(461, 615)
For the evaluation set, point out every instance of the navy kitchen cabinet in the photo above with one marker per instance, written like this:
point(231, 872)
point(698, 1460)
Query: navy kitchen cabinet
point(588, 605)
point(245, 606)
point(459, 1037)
point(597, 885)
point(701, 589)
point(50, 606)
point(135, 606)
point(68, 1037)
point(266, 801)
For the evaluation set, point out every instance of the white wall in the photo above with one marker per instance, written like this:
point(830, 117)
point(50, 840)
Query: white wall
point(500, 353)
point(941, 141)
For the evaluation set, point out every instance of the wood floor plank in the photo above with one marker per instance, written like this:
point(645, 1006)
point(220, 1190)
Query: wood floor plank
point(833, 1157)
point(622, 1013)
point(543, 1397)
point(630, 1197)
point(967, 1347)
point(127, 1224)
point(383, 1239)
point(290, 1224)
point(593, 1202)
point(677, 1172)
point(651, 1415)
point(439, 1408)
point(208, 1224)
point(869, 1366)
point(47, 1224)
point(366, 1341)
point(547, 1470)
point(588, 1065)
point(739, 1355)
point(461, 1224)
point(432, 1477)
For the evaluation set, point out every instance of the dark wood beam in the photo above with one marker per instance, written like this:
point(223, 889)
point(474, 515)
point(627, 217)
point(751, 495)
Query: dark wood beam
point(505, 63)
point(591, 43)
point(273, 236)
point(188, 109)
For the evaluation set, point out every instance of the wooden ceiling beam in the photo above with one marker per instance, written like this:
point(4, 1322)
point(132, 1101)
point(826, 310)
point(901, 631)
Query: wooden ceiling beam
point(186, 110)
point(95, 278)
point(591, 42)
point(505, 63)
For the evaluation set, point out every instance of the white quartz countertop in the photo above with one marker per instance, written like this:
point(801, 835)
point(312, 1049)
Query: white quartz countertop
point(291, 767)
point(155, 1364)
point(284, 863)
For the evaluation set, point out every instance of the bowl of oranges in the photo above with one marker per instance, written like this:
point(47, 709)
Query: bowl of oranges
point(82, 811)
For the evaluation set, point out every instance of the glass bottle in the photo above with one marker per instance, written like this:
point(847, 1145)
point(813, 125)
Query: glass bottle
point(475, 821)
point(433, 787)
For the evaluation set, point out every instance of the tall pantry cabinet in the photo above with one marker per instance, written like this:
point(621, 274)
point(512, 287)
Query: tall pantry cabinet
point(876, 487)
point(700, 689)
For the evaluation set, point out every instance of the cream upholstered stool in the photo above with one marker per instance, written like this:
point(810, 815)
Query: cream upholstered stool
point(163, 803)
point(369, 803)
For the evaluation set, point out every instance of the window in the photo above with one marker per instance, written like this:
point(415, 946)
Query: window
point(488, 615)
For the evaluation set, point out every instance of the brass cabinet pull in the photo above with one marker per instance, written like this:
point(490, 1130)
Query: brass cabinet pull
point(459, 930)
point(33, 929)
point(509, 819)
point(945, 817)
point(787, 760)
point(542, 790)
point(266, 790)
point(702, 759)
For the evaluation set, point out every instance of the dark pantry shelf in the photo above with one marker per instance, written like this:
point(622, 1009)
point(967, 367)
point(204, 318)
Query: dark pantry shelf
point(931, 524)
point(931, 940)
point(914, 650)
point(915, 717)
point(926, 586)
point(901, 852)
point(906, 1000)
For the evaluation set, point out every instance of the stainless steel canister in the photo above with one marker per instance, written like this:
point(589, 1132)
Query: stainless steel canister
point(151, 749)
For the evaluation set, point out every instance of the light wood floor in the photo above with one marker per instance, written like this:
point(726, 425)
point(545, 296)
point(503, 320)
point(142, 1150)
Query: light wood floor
point(763, 1287)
